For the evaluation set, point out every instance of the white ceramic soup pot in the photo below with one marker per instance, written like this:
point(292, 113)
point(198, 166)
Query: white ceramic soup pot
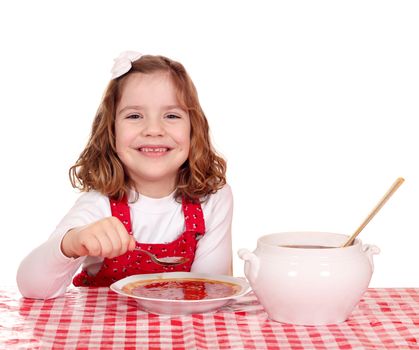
point(298, 281)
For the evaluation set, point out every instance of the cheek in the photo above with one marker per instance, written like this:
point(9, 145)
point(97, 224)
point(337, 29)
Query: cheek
point(123, 137)
point(185, 141)
point(185, 136)
point(118, 141)
point(181, 134)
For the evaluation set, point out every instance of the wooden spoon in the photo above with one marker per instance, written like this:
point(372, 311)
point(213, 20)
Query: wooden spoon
point(380, 204)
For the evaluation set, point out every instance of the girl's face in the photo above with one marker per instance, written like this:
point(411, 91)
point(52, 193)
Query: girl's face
point(152, 132)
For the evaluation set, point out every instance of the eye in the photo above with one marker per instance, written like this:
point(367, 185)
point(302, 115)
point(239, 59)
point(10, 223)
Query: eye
point(172, 116)
point(134, 116)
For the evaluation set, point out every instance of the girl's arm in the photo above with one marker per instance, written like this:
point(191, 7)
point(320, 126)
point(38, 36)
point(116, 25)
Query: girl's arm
point(46, 272)
point(214, 251)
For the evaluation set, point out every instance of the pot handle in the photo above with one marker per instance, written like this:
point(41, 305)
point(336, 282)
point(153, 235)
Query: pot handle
point(370, 250)
point(251, 265)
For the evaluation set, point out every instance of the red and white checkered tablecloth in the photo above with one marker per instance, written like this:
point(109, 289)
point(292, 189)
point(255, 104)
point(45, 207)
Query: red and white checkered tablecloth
point(97, 318)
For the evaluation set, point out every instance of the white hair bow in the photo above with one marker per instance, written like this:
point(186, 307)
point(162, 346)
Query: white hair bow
point(123, 63)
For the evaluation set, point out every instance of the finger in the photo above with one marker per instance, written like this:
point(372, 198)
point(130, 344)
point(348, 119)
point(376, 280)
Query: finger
point(124, 237)
point(103, 245)
point(115, 241)
point(82, 251)
point(132, 243)
point(106, 244)
point(91, 245)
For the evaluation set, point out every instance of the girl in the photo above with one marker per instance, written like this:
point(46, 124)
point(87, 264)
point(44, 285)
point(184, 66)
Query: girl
point(150, 175)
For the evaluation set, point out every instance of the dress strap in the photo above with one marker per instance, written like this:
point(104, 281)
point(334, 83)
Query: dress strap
point(120, 210)
point(194, 217)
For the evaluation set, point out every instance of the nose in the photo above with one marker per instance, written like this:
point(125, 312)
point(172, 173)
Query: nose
point(153, 127)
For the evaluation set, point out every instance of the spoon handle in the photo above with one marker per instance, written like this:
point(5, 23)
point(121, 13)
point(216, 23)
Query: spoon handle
point(380, 204)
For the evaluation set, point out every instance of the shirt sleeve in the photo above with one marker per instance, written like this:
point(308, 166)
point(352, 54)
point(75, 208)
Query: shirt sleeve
point(214, 250)
point(46, 272)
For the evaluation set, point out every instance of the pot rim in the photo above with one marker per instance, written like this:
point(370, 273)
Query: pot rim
point(275, 242)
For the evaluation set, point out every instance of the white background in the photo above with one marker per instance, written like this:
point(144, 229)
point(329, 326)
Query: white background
point(313, 104)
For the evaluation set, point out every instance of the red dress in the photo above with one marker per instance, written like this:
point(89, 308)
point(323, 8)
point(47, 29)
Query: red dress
point(137, 262)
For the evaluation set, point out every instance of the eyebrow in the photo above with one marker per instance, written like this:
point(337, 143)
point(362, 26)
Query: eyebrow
point(141, 107)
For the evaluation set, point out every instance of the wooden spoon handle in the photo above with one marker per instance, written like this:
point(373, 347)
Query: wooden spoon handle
point(380, 204)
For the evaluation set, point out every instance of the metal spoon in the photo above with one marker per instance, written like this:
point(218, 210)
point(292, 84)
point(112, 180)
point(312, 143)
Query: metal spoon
point(166, 261)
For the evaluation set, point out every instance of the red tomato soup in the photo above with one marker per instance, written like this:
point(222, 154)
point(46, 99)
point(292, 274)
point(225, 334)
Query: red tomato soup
point(182, 289)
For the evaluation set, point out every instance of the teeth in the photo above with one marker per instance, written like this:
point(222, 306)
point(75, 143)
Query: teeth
point(148, 149)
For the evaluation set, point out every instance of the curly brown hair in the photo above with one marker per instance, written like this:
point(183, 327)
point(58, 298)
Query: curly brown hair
point(99, 167)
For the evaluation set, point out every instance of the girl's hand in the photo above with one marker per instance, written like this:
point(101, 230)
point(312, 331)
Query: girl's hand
point(106, 238)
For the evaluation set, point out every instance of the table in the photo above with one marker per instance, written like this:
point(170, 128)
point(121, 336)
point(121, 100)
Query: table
point(97, 318)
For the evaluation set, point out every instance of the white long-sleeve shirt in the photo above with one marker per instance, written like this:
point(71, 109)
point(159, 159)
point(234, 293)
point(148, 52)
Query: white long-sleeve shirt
point(46, 272)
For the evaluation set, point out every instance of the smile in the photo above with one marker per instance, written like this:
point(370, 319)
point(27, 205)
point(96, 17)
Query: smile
point(153, 149)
